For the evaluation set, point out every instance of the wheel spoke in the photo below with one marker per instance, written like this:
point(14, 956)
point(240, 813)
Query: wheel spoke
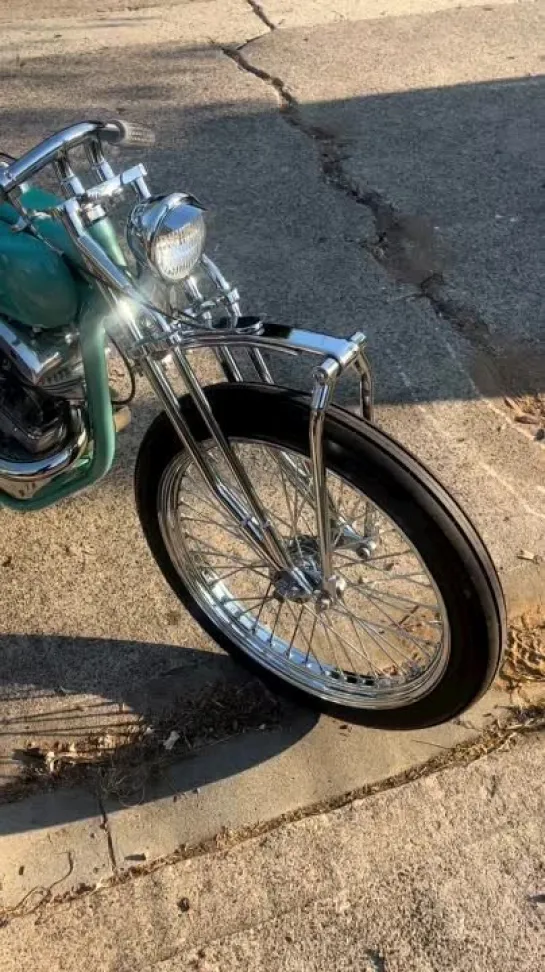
point(362, 651)
point(275, 622)
point(343, 640)
point(241, 614)
point(333, 651)
point(262, 605)
point(394, 626)
point(308, 641)
point(389, 598)
point(233, 531)
point(388, 575)
point(208, 548)
point(294, 634)
point(374, 632)
point(299, 509)
point(346, 652)
point(238, 598)
point(238, 570)
point(289, 507)
point(372, 560)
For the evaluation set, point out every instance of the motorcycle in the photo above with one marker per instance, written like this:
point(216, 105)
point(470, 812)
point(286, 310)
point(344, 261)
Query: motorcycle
point(303, 539)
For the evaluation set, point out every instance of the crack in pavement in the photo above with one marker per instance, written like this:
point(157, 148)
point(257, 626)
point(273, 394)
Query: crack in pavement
point(405, 245)
point(522, 722)
point(260, 13)
point(105, 826)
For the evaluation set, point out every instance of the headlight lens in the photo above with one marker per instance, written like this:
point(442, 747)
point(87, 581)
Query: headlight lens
point(168, 234)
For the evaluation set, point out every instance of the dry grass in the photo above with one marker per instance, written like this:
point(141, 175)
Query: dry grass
point(122, 763)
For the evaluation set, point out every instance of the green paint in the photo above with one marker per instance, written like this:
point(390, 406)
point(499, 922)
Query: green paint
point(37, 288)
point(53, 231)
point(104, 233)
point(40, 289)
point(98, 462)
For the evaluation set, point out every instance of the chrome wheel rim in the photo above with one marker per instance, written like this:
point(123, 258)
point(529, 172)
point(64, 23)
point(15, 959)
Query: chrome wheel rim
point(383, 644)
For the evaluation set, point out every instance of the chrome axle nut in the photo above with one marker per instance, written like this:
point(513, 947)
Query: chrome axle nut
point(323, 603)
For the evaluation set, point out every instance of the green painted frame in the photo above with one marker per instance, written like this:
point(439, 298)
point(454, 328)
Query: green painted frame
point(97, 462)
point(102, 434)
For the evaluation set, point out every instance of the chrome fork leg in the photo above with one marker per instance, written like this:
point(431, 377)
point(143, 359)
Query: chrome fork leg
point(249, 515)
point(325, 379)
point(367, 399)
point(255, 520)
point(367, 389)
point(327, 515)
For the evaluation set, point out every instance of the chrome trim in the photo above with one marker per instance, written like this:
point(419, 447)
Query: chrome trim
point(227, 362)
point(97, 161)
point(325, 379)
point(71, 184)
point(46, 152)
point(33, 367)
point(148, 219)
point(23, 479)
point(251, 517)
point(114, 184)
point(272, 337)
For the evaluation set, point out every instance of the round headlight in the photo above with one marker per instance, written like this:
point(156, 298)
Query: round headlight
point(168, 234)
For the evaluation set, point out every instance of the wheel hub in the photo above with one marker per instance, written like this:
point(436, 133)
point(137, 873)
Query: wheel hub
point(304, 552)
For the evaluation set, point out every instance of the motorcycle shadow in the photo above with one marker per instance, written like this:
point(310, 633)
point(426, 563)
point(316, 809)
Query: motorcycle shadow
point(193, 724)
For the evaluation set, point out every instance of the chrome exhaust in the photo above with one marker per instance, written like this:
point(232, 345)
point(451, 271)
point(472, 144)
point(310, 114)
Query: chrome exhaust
point(22, 478)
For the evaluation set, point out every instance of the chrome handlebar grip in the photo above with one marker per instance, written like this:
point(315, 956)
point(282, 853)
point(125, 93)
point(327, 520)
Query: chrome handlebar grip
point(56, 148)
point(131, 134)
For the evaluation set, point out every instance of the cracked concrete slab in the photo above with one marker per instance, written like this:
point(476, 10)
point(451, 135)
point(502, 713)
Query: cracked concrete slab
point(448, 132)
point(444, 872)
point(304, 13)
point(134, 813)
point(257, 777)
point(86, 619)
point(71, 26)
point(40, 856)
point(384, 141)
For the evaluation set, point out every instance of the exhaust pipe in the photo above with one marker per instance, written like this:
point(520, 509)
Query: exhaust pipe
point(21, 479)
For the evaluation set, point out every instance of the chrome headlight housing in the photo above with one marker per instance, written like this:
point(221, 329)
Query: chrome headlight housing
point(167, 234)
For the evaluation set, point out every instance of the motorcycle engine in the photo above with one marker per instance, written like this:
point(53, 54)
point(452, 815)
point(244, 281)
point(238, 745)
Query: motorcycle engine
point(41, 377)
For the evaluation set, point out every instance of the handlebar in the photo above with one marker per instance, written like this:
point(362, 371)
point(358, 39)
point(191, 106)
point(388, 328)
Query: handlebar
point(115, 132)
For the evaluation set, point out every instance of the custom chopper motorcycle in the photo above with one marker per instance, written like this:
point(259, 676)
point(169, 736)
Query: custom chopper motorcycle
point(304, 540)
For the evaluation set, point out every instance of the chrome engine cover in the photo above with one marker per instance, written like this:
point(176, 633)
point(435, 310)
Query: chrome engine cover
point(42, 430)
point(44, 360)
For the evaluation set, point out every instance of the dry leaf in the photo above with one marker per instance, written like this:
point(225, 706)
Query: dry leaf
point(528, 555)
point(49, 760)
point(526, 419)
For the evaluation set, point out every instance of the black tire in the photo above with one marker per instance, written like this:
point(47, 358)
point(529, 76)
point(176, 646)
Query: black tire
point(408, 493)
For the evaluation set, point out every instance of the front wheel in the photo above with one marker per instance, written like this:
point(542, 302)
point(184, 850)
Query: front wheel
point(416, 633)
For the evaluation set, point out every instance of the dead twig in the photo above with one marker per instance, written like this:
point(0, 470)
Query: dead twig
point(18, 910)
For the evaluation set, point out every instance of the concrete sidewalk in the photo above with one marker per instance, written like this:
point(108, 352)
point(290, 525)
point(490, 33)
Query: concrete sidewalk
point(133, 811)
point(446, 873)
point(350, 167)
